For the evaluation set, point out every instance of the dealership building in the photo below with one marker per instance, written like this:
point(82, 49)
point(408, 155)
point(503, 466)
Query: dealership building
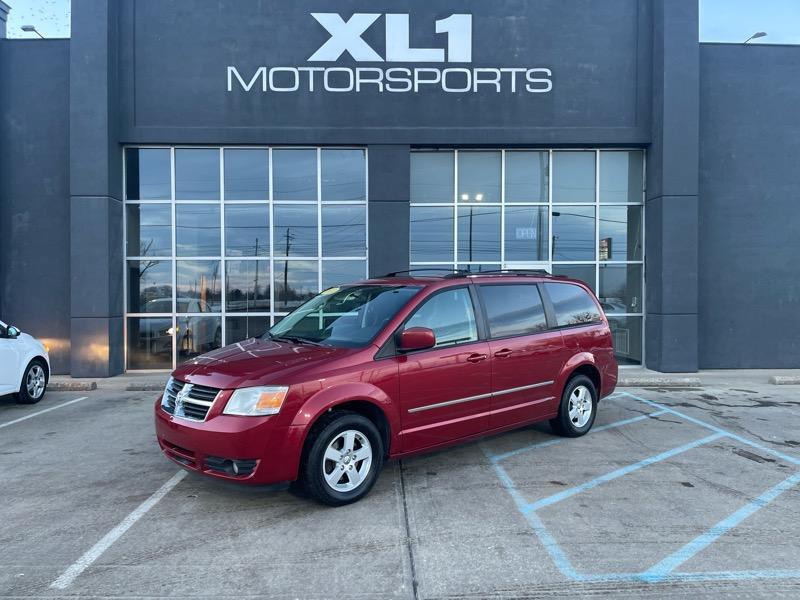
point(181, 174)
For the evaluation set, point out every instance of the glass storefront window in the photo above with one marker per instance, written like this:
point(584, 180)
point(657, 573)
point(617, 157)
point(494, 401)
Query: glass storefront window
point(344, 230)
point(343, 175)
point(197, 229)
point(148, 174)
point(246, 174)
point(555, 211)
point(527, 176)
point(197, 174)
point(574, 177)
point(621, 176)
point(207, 265)
point(149, 230)
point(627, 335)
point(294, 174)
point(620, 233)
point(432, 176)
point(247, 230)
point(479, 177)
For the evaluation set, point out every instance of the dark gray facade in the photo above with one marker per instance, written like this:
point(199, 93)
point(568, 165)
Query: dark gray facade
point(718, 123)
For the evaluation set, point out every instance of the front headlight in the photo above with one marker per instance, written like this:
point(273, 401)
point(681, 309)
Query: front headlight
point(256, 401)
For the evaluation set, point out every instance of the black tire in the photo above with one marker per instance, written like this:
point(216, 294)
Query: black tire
point(563, 424)
point(327, 431)
point(24, 396)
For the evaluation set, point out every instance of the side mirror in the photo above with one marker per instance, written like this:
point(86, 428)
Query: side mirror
point(13, 332)
point(416, 338)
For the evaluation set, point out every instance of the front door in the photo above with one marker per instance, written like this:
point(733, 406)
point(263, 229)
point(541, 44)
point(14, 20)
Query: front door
point(525, 356)
point(445, 392)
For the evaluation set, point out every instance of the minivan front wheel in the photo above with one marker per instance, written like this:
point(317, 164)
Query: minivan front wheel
point(344, 457)
point(578, 408)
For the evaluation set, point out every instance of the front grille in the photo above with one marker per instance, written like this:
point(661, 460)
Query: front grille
point(195, 400)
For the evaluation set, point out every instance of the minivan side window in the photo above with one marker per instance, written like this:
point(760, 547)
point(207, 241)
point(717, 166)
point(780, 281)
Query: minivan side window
point(451, 316)
point(513, 309)
point(572, 304)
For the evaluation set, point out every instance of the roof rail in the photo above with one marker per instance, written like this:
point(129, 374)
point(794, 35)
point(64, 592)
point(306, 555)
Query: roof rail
point(448, 272)
point(532, 272)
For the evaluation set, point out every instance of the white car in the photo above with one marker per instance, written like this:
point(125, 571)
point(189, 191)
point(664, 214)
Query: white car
point(24, 365)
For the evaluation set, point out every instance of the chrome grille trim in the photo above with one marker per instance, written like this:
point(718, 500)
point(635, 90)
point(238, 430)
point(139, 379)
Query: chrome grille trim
point(196, 401)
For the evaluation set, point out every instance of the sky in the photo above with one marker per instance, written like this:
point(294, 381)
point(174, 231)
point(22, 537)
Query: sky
point(720, 20)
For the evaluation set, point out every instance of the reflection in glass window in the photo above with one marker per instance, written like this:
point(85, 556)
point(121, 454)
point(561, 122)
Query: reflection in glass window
point(584, 273)
point(149, 286)
point(197, 174)
point(572, 304)
point(513, 309)
point(620, 233)
point(247, 285)
point(149, 342)
point(238, 329)
point(573, 176)
point(479, 233)
point(451, 316)
point(432, 176)
point(344, 175)
point(479, 176)
point(247, 230)
point(294, 174)
point(338, 272)
point(627, 335)
point(149, 230)
point(148, 174)
point(199, 286)
point(526, 176)
point(479, 267)
point(197, 229)
point(621, 288)
point(431, 237)
point(621, 176)
point(246, 174)
point(527, 238)
point(295, 282)
point(295, 231)
point(344, 230)
point(197, 335)
point(573, 233)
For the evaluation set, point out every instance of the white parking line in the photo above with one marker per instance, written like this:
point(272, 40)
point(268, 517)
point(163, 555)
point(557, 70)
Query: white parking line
point(80, 565)
point(41, 412)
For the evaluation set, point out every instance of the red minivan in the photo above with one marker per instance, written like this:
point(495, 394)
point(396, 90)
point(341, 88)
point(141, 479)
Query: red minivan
point(386, 368)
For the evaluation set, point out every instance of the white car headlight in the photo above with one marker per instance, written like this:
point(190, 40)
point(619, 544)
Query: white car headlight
point(256, 401)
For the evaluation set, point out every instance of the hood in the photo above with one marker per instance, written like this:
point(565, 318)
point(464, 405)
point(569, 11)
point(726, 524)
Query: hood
point(255, 362)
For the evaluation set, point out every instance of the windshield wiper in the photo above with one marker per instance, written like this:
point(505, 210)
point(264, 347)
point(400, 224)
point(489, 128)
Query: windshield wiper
point(293, 338)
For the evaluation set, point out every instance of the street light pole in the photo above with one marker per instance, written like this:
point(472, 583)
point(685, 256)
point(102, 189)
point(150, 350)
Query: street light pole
point(31, 29)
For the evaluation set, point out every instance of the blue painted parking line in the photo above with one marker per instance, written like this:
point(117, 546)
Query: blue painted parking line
point(539, 504)
point(537, 445)
point(664, 570)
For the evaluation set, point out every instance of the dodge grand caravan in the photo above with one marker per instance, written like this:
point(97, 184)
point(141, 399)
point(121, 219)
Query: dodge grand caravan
point(386, 368)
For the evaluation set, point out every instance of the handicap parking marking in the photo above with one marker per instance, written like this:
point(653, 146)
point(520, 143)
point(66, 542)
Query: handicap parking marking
point(85, 561)
point(41, 412)
point(664, 570)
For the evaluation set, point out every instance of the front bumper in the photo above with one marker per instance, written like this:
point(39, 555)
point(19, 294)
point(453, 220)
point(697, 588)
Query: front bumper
point(260, 451)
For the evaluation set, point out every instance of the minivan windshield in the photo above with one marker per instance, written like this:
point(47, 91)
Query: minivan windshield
point(344, 316)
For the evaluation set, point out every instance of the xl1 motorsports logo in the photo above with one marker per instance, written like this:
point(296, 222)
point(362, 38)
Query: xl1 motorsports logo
point(346, 37)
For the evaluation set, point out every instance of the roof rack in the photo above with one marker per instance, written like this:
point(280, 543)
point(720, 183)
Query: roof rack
point(449, 272)
point(532, 272)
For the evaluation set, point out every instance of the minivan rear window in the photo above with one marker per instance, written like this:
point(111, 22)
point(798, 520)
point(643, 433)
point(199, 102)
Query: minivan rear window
point(513, 309)
point(572, 304)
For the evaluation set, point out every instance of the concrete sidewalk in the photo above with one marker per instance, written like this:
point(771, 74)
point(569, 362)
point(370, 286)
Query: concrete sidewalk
point(629, 377)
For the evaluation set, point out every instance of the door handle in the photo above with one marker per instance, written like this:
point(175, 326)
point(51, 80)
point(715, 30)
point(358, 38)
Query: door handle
point(503, 353)
point(476, 358)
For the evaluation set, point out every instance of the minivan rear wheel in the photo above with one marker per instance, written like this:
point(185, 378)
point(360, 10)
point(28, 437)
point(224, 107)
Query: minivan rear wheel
point(343, 459)
point(578, 408)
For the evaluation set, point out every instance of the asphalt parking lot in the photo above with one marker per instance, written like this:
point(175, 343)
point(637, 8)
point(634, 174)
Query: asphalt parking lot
point(675, 493)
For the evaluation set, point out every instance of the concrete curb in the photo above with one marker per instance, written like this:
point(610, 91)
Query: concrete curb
point(784, 380)
point(659, 382)
point(145, 387)
point(72, 386)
